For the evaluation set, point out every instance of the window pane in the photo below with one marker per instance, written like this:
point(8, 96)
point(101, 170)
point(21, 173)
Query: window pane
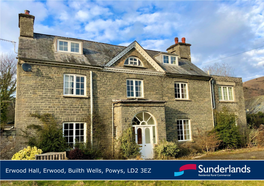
point(135, 121)
point(220, 93)
point(154, 134)
point(140, 116)
point(151, 121)
point(146, 116)
point(177, 90)
point(179, 130)
point(147, 136)
point(165, 59)
point(139, 136)
point(173, 60)
point(63, 46)
point(74, 47)
point(183, 91)
point(126, 62)
point(230, 93)
point(130, 88)
point(186, 130)
point(225, 93)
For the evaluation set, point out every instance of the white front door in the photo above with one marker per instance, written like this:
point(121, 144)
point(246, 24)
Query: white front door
point(145, 133)
point(143, 138)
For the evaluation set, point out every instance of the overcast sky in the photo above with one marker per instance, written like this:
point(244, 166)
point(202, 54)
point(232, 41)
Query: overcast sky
point(219, 31)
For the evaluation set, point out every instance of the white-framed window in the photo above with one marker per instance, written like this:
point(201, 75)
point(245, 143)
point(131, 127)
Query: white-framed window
point(173, 60)
point(184, 130)
point(69, 46)
point(133, 61)
point(74, 132)
point(134, 88)
point(181, 90)
point(226, 93)
point(74, 85)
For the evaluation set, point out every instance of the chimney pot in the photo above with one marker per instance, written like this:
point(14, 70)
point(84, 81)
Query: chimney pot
point(176, 40)
point(27, 12)
point(183, 40)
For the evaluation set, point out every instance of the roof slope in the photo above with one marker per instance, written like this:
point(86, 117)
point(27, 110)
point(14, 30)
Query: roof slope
point(94, 53)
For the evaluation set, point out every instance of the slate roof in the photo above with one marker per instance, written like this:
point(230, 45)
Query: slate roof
point(94, 53)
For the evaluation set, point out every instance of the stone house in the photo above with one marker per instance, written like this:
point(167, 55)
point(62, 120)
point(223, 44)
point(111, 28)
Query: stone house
point(162, 95)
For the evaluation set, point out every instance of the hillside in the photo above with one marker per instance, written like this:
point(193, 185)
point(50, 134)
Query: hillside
point(255, 105)
point(253, 88)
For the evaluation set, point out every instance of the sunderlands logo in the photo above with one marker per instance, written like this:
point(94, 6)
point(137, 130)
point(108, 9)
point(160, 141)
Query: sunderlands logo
point(218, 169)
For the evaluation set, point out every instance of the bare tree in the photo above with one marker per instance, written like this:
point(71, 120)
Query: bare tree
point(7, 84)
point(220, 69)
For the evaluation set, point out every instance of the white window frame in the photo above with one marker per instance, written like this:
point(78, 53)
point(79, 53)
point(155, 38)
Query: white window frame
point(134, 89)
point(69, 46)
point(222, 93)
point(74, 85)
point(187, 91)
point(190, 131)
point(131, 61)
point(74, 131)
point(169, 58)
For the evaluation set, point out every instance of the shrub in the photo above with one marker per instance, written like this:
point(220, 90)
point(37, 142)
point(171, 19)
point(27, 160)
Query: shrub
point(76, 154)
point(48, 137)
point(27, 153)
point(255, 120)
point(88, 152)
point(129, 148)
point(257, 136)
point(207, 140)
point(189, 148)
point(166, 149)
point(226, 129)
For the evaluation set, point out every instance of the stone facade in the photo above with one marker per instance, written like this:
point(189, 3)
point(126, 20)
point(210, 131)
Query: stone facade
point(42, 89)
point(238, 105)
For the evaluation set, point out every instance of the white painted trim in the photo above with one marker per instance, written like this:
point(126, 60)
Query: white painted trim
point(69, 46)
point(141, 51)
point(187, 91)
point(74, 130)
point(190, 130)
point(129, 71)
point(74, 85)
point(134, 88)
point(222, 94)
point(169, 58)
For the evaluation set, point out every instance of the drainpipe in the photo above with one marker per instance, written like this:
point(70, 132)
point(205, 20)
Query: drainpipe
point(211, 84)
point(113, 129)
point(91, 104)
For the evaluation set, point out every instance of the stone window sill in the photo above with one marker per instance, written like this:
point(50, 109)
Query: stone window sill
point(83, 97)
point(227, 102)
point(177, 99)
point(136, 99)
point(134, 66)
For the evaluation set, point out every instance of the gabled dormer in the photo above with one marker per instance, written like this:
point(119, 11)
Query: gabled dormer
point(167, 59)
point(134, 56)
point(66, 45)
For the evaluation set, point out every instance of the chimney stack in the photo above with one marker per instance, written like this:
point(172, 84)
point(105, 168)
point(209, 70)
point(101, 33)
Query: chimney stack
point(183, 40)
point(176, 40)
point(182, 49)
point(26, 24)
